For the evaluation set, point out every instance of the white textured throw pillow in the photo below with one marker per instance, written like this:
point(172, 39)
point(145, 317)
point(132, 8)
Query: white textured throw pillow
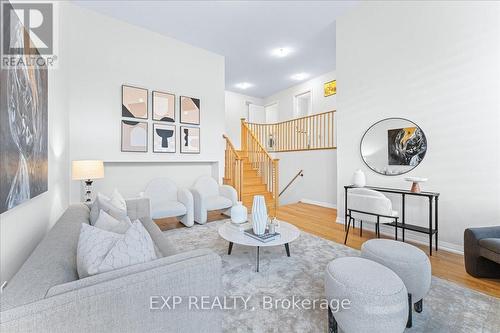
point(93, 246)
point(109, 223)
point(135, 247)
point(104, 203)
point(118, 201)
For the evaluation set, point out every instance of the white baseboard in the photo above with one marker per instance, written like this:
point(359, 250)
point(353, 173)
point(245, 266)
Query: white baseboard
point(319, 203)
point(417, 238)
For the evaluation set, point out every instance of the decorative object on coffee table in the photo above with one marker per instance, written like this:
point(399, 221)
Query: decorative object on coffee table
point(359, 178)
point(87, 171)
point(415, 187)
point(288, 233)
point(239, 213)
point(259, 215)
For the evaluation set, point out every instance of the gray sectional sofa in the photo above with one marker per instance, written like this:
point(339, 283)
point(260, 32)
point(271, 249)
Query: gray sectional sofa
point(46, 294)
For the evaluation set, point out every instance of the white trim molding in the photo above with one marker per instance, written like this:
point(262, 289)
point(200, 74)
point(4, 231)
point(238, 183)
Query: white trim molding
point(319, 203)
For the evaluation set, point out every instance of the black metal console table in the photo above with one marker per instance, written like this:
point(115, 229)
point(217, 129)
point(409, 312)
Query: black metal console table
point(433, 197)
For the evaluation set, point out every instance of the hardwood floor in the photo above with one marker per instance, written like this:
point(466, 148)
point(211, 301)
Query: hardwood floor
point(320, 221)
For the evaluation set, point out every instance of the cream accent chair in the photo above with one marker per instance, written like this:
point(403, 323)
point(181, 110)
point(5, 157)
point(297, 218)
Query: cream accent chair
point(169, 201)
point(368, 205)
point(208, 195)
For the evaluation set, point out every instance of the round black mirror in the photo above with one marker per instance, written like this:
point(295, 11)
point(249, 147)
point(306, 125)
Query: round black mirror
point(393, 146)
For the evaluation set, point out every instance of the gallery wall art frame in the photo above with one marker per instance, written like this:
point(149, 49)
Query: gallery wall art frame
point(184, 140)
point(190, 110)
point(138, 110)
point(169, 114)
point(24, 130)
point(126, 131)
point(160, 147)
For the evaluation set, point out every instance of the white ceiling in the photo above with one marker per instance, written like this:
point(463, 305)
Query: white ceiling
point(244, 32)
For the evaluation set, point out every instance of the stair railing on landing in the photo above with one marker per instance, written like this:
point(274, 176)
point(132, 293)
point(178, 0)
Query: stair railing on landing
point(267, 167)
point(233, 167)
point(306, 133)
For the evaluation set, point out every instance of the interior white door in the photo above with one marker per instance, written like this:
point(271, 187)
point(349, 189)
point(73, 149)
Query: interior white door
point(271, 111)
point(256, 114)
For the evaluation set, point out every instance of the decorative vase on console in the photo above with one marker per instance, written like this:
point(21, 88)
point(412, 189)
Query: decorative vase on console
point(259, 215)
point(358, 178)
point(239, 213)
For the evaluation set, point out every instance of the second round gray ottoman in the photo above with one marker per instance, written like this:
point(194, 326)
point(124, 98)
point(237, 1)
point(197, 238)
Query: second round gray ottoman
point(377, 296)
point(409, 262)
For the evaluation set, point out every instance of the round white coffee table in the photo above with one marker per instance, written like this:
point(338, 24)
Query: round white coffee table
point(287, 231)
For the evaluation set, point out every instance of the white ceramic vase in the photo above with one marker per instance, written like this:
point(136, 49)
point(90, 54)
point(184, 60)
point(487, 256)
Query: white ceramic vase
point(259, 215)
point(239, 213)
point(359, 178)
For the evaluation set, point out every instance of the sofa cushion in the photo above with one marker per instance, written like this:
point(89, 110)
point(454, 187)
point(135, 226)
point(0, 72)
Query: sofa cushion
point(168, 209)
point(52, 262)
point(160, 240)
point(109, 223)
point(490, 249)
point(103, 203)
point(217, 202)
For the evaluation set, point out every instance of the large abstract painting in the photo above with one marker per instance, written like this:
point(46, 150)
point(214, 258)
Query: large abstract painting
point(134, 136)
point(163, 138)
point(407, 146)
point(134, 102)
point(190, 110)
point(190, 140)
point(163, 106)
point(23, 130)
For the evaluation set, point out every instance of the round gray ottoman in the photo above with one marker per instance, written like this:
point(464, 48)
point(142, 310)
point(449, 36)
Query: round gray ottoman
point(409, 262)
point(378, 298)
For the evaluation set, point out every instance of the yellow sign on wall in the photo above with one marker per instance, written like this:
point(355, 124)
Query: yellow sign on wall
point(330, 88)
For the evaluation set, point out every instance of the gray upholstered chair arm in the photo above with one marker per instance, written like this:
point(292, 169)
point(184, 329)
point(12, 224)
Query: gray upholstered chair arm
point(123, 304)
point(474, 263)
point(186, 198)
point(229, 192)
point(484, 232)
point(138, 208)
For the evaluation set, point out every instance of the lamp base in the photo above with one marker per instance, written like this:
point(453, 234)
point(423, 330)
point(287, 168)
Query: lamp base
point(87, 195)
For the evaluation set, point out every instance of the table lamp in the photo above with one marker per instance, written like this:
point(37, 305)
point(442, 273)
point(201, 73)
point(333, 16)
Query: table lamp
point(87, 171)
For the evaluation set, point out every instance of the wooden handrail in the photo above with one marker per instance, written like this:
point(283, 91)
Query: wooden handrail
point(266, 166)
point(228, 140)
point(311, 132)
point(233, 168)
point(291, 120)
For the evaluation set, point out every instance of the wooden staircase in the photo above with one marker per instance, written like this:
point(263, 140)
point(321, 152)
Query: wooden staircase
point(251, 170)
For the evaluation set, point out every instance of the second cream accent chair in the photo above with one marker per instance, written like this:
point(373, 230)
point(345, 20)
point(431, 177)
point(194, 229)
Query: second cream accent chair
point(167, 200)
point(208, 195)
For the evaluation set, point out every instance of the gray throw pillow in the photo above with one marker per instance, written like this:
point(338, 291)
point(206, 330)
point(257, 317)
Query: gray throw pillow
point(103, 203)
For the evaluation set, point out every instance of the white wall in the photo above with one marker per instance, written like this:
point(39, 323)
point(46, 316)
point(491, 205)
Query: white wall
point(107, 53)
point(22, 227)
point(437, 65)
point(319, 183)
point(320, 103)
point(237, 108)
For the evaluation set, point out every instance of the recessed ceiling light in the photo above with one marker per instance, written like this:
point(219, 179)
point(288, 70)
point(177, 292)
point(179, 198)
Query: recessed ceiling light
point(299, 76)
point(243, 85)
point(281, 52)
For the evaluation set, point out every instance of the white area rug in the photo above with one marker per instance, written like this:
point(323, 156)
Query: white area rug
point(447, 308)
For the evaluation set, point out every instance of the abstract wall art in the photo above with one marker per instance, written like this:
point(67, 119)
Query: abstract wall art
point(134, 102)
point(163, 138)
point(134, 136)
point(330, 88)
point(23, 129)
point(407, 146)
point(190, 140)
point(190, 110)
point(163, 106)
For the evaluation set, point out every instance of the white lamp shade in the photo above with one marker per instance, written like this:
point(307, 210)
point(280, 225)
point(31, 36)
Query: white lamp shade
point(82, 170)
